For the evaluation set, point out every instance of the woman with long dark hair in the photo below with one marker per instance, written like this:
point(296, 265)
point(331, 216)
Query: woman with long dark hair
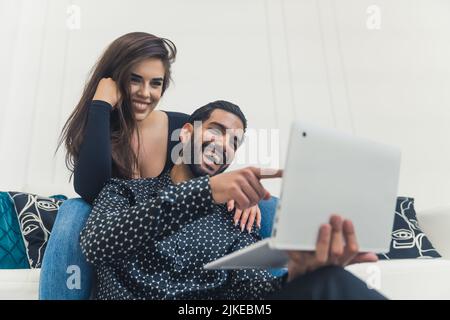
point(114, 131)
point(116, 113)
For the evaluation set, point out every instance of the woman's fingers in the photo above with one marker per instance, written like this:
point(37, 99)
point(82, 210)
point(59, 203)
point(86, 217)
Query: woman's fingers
point(230, 205)
point(244, 218)
point(258, 217)
point(251, 218)
point(237, 216)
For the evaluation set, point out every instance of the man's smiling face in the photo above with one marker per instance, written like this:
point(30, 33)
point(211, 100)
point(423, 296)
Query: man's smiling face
point(213, 142)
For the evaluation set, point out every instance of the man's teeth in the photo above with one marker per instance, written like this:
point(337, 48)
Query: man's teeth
point(213, 158)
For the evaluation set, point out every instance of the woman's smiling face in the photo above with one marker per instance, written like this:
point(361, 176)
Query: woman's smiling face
point(146, 83)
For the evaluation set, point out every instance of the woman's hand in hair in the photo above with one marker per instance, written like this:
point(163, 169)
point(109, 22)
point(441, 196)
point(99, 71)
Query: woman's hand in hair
point(107, 91)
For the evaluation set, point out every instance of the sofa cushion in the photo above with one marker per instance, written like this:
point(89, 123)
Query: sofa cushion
point(408, 239)
point(36, 216)
point(12, 248)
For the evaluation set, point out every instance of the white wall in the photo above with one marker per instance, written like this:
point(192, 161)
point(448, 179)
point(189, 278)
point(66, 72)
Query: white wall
point(315, 60)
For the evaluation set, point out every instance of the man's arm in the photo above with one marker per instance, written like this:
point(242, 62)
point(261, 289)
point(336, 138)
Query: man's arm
point(118, 227)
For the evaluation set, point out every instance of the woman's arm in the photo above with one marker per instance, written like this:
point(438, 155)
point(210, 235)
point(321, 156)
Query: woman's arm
point(93, 167)
point(94, 164)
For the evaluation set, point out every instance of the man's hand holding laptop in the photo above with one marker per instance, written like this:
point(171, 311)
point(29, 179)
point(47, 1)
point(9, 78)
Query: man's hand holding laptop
point(336, 245)
point(336, 241)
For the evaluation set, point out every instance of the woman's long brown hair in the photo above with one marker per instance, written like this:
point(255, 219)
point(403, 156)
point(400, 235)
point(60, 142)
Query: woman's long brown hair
point(116, 63)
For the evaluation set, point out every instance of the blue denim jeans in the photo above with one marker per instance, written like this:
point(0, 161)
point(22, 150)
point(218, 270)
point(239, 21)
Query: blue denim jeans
point(65, 273)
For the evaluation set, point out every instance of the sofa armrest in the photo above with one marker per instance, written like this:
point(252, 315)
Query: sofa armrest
point(436, 225)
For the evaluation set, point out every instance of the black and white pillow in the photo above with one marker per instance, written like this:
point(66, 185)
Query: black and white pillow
point(408, 240)
point(36, 216)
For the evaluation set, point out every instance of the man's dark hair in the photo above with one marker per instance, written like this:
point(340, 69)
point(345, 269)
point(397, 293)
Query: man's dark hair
point(203, 113)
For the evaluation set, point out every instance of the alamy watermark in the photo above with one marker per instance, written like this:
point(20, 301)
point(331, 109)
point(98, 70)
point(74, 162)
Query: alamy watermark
point(74, 279)
point(73, 20)
point(373, 280)
point(373, 21)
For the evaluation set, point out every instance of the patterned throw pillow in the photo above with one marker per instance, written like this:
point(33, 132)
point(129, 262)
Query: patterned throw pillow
point(12, 249)
point(36, 216)
point(408, 240)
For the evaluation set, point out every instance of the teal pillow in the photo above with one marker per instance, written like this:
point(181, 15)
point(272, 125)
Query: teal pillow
point(12, 248)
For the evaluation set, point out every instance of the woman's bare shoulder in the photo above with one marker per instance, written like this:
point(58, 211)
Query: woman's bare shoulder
point(157, 121)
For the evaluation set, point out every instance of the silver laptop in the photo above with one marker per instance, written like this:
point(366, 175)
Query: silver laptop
point(327, 171)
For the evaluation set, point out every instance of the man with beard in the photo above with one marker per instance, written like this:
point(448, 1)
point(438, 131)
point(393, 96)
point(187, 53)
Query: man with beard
point(149, 238)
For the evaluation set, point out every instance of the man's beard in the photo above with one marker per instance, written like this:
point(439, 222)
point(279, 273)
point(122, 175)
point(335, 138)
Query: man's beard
point(196, 168)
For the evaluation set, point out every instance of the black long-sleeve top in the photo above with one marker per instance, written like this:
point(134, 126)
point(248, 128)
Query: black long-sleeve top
point(149, 239)
point(93, 167)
